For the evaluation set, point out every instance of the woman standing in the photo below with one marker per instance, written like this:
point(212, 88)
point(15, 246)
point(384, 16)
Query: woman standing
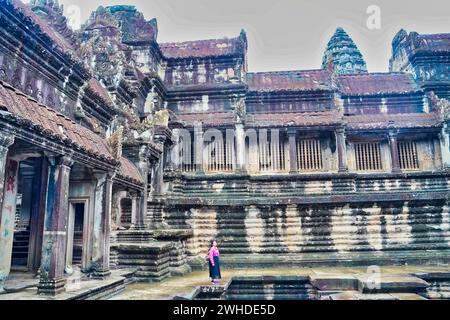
point(214, 264)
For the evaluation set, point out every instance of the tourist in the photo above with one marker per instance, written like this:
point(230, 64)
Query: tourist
point(214, 264)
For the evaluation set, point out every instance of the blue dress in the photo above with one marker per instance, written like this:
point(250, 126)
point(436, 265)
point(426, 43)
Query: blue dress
point(214, 271)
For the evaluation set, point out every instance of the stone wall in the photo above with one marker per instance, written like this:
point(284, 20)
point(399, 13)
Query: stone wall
point(361, 220)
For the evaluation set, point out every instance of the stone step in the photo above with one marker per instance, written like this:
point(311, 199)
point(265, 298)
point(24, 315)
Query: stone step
point(373, 283)
point(334, 282)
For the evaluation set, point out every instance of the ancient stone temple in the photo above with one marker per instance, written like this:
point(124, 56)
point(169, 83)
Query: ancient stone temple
point(121, 152)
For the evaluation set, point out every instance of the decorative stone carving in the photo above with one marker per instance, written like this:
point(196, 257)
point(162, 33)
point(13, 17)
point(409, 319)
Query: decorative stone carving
point(115, 142)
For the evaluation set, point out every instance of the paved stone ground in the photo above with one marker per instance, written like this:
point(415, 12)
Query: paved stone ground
point(23, 286)
point(184, 286)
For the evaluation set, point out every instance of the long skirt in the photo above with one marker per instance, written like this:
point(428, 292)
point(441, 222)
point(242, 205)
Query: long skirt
point(214, 272)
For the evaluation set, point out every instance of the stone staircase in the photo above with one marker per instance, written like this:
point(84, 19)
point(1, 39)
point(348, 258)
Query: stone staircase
point(375, 287)
point(152, 260)
point(157, 254)
point(20, 248)
point(331, 286)
point(269, 288)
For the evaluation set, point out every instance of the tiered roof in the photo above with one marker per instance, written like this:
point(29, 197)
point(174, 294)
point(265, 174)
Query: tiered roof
point(301, 80)
point(376, 84)
point(28, 113)
point(203, 48)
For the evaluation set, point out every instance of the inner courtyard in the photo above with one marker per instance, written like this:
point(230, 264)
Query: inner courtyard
point(122, 158)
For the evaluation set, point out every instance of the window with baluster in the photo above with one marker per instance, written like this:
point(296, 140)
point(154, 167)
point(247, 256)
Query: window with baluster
point(309, 155)
point(368, 156)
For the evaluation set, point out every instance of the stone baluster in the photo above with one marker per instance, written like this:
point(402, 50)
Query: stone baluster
point(53, 257)
point(341, 149)
point(175, 160)
point(102, 224)
point(8, 190)
point(293, 150)
point(444, 139)
point(134, 210)
point(137, 216)
point(240, 148)
point(199, 153)
point(394, 152)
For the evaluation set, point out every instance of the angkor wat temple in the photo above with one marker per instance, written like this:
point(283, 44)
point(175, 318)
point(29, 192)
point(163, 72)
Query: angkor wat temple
point(118, 151)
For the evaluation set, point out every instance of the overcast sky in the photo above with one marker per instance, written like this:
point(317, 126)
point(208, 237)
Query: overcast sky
point(286, 34)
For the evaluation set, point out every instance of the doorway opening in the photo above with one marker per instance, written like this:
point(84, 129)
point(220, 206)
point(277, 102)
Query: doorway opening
point(76, 231)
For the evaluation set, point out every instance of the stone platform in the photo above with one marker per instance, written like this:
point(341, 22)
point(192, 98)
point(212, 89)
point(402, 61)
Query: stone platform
point(342, 284)
point(338, 259)
point(339, 283)
point(23, 286)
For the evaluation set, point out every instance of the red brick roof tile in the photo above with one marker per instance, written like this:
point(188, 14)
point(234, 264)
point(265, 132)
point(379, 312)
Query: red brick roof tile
point(53, 124)
point(384, 121)
point(324, 118)
point(301, 80)
point(95, 86)
point(208, 119)
point(433, 42)
point(201, 48)
point(58, 39)
point(376, 83)
point(129, 171)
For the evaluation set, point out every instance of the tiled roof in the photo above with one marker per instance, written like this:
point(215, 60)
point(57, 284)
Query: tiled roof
point(201, 48)
point(324, 118)
point(302, 80)
point(52, 124)
point(95, 86)
point(433, 42)
point(59, 40)
point(384, 121)
point(129, 171)
point(376, 83)
point(207, 118)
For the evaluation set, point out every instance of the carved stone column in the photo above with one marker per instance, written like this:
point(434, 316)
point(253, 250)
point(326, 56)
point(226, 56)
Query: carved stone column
point(53, 258)
point(39, 192)
point(341, 149)
point(8, 191)
point(292, 150)
point(394, 152)
point(144, 169)
point(102, 224)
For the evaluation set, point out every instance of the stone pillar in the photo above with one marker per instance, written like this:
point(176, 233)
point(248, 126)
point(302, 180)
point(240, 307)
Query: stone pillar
point(159, 176)
point(53, 258)
point(292, 150)
point(144, 169)
point(37, 213)
point(240, 148)
point(8, 191)
point(341, 150)
point(135, 214)
point(394, 152)
point(102, 224)
point(445, 146)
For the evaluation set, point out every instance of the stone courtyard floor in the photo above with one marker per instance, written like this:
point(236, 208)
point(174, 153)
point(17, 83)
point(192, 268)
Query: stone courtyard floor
point(23, 286)
point(184, 286)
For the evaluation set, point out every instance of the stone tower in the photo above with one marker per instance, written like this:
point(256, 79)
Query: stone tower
point(343, 54)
